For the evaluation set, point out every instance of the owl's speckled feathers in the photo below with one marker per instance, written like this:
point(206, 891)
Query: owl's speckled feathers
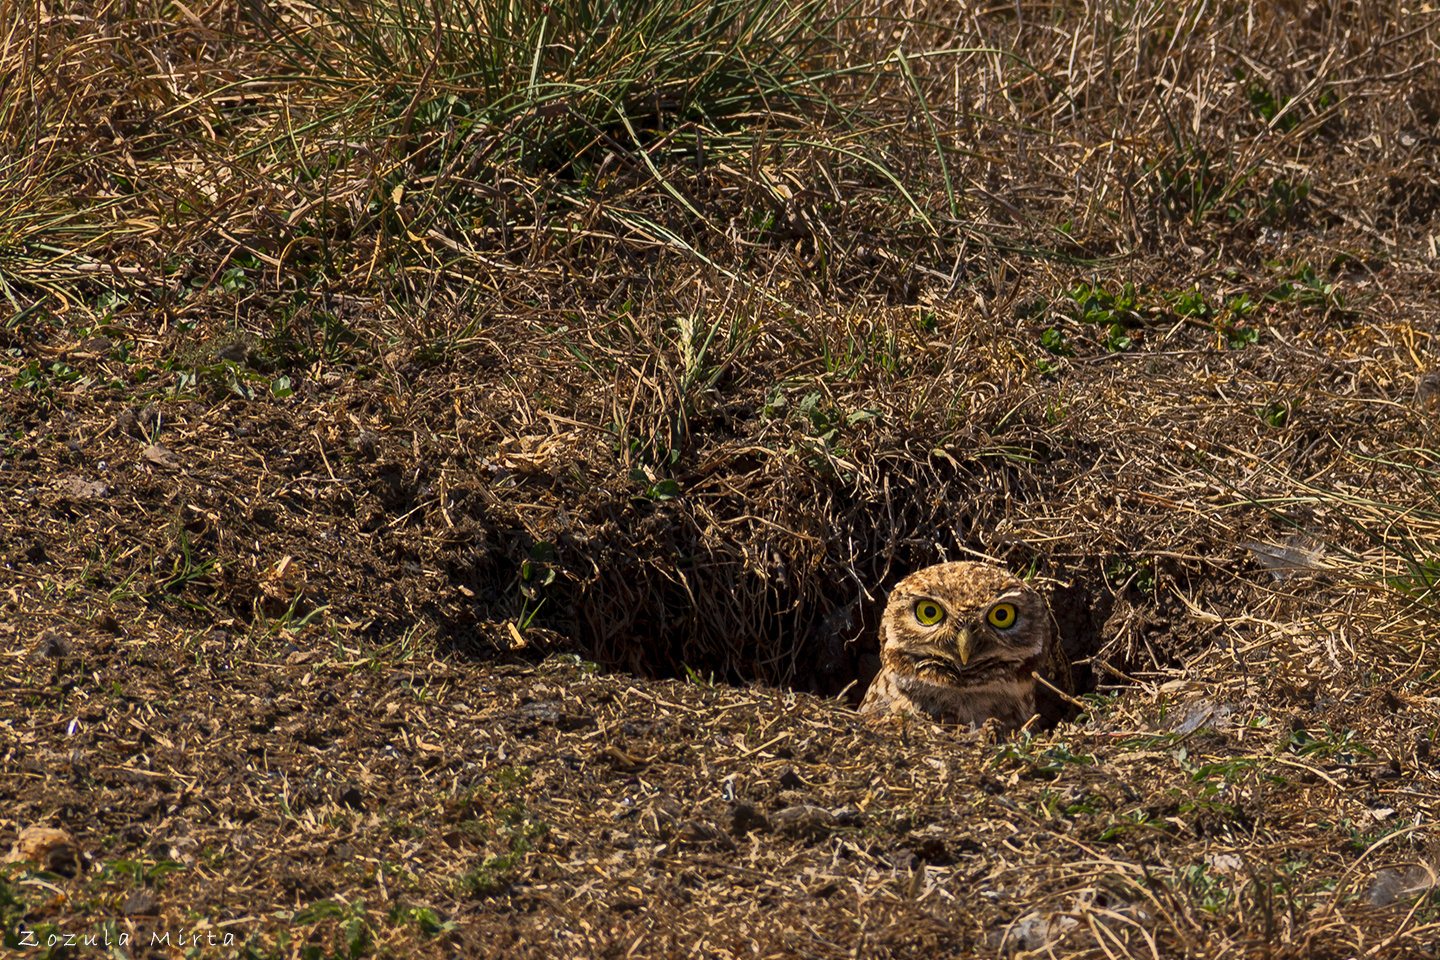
point(961, 644)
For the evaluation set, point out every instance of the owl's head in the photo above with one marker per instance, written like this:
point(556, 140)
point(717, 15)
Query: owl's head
point(960, 619)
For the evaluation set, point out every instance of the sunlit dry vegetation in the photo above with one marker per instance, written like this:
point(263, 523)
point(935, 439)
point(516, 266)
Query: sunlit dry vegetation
point(456, 453)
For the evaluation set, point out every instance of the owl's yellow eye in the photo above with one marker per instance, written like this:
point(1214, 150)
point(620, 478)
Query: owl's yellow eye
point(929, 612)
point(1002, 615)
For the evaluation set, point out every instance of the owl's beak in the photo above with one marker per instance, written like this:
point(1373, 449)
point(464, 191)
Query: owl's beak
point(965, 645)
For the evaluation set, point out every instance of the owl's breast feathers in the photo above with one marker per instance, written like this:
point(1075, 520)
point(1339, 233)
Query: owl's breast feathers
point(1003, 690)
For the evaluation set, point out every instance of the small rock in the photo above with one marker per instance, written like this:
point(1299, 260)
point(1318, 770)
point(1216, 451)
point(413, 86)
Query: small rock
point(48, 848)
point(1036, 931)
point(1394, 884)
point(1224, 863)
point(78, 488)
point(184, 849)
point(791, 798)
point(52, 644)
point(803, 820)
point(367, 444)
point(161, 457)
point(140, 903)
point(237, 351)
point(541, 712)
point(1203, 713)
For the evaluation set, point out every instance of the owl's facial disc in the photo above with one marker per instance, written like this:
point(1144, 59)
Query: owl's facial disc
point(960, 638)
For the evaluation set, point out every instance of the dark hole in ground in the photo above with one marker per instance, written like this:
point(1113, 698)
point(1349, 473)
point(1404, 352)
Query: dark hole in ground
point(829, 647)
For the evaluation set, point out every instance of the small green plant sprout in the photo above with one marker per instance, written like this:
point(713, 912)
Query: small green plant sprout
point(236, 279)
point(536, 573)
point(43, 379)
point(1054, 343)
point(352, 918)
point(1115, 314)
point(1123, 572)
point(1267, 106)
point(822, 424)
point(1238, 335)
point(1055, 409)
point(1241, 307)
point(1100, 706)
point(1213, 893)
point(696, 678)
point(1190, 303)
point(1045, 762)
point(1189, 184)
point(1276, 413)
point(1336, 747)
point(1419, 581)
point(1302, 286)
point(1283, 200)
point(498, 817)
point(657, 491)
point(1235, 327)
point(426, 919)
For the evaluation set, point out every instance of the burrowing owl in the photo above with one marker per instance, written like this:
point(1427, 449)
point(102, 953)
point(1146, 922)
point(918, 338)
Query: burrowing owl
point(962, 642)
